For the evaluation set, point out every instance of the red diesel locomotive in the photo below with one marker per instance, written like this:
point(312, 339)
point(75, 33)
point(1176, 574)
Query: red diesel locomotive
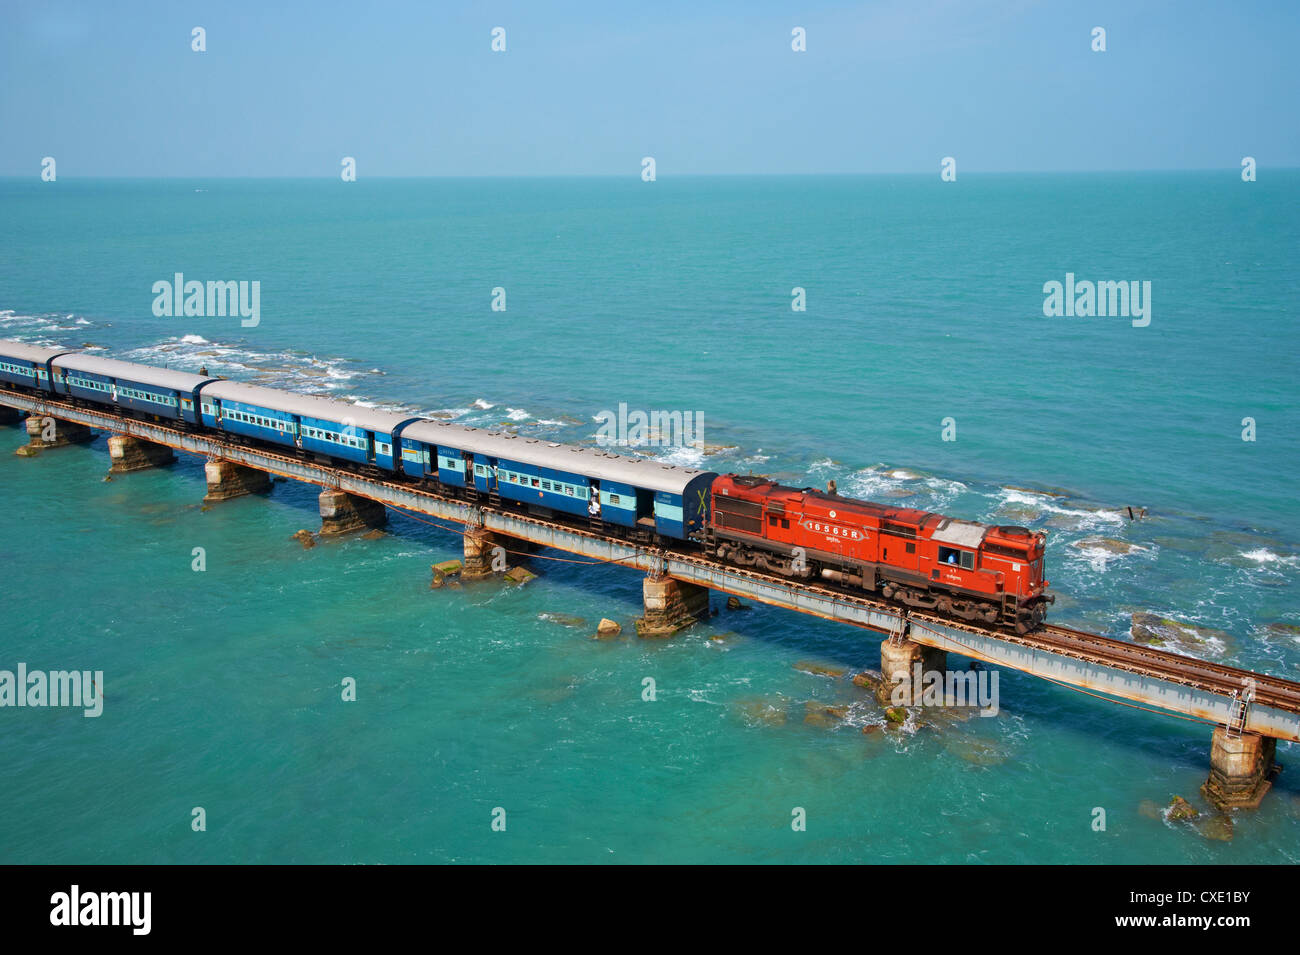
point(956, 568)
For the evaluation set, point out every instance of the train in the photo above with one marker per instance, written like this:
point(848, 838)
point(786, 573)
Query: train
point(964, 570)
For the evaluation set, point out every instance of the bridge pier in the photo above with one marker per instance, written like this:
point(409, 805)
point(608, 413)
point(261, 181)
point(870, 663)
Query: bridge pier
point(226, 480)
point(1240, 769)
point(342, 513)
point(134, 454)
point(479, 545)
point(898, 662)
point(47, 432)
point(670, 605)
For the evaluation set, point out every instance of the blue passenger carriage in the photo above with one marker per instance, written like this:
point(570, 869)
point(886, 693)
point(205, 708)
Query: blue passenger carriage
point(27, 366)
point(548, 477)
point(322, 426)
point(142, 389)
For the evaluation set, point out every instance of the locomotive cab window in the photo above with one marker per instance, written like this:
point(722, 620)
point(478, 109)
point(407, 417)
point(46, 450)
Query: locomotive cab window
point(957, 558)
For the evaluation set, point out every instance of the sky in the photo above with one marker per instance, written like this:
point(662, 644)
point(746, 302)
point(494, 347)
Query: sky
point(589, 88)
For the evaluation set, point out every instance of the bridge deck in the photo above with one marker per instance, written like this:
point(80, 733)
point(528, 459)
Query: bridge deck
point(1156, 678)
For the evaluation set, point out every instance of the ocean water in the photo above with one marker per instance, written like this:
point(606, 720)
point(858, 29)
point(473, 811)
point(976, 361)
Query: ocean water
point(924, 303)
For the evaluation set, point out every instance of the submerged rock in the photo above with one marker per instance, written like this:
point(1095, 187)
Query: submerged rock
point(306, 538)
point(823, 714)
point(564, 620)
point(896, 714)
point(1180, 809)
point(1029, 490)
point(1152, 629)
point(1150, 809)
point(976, 751)
point(819, 669)
point(1109, 544)
point(757, 711)
point(1217, 827)
point(868, 680)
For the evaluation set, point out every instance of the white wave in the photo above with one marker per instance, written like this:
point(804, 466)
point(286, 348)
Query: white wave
point(1082, 518)
point(1262, 555)
point(484, 405)
point(1099, 557)
point(515, 414)
point(682, 457)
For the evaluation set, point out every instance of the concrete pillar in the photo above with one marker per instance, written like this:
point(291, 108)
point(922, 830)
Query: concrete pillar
point(46, 432)
point(135, 454)
point(1240, 769)
point(671, 605)
point(898, 670)
point(226, 479)
point(341, 512)
point(10, 415)
point(481, 558)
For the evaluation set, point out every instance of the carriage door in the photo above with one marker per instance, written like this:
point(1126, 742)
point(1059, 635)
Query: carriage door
point(645, 509)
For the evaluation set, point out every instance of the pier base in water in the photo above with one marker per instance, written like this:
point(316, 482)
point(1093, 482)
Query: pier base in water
point(670, 606)
point(342, 513)
point(226, 479)
point(134, 454)
point(1241, 769)
point(482, 559)
point(46, 432)
point(898, 662)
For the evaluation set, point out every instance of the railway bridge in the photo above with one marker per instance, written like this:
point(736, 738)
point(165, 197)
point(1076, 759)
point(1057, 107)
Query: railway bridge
point(1249, 711)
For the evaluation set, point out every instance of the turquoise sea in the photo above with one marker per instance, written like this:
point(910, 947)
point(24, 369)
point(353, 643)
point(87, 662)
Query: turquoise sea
point(924, 302)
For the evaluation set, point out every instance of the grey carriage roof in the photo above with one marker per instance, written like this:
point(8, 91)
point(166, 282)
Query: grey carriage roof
point(595, 462)
point(145, 374)
point(26, 352)
point(328, 409)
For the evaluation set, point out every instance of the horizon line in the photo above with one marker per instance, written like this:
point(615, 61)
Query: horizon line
point(636, 175)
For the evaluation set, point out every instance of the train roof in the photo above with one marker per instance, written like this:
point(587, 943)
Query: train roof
point(313, 406)
point(26, 352)
point(145, 374)
point(593, 462)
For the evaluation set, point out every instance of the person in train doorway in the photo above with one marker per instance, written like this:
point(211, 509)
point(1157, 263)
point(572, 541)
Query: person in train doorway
point(593, 502)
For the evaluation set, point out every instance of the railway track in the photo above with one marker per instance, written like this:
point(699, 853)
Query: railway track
point(1086, 647)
